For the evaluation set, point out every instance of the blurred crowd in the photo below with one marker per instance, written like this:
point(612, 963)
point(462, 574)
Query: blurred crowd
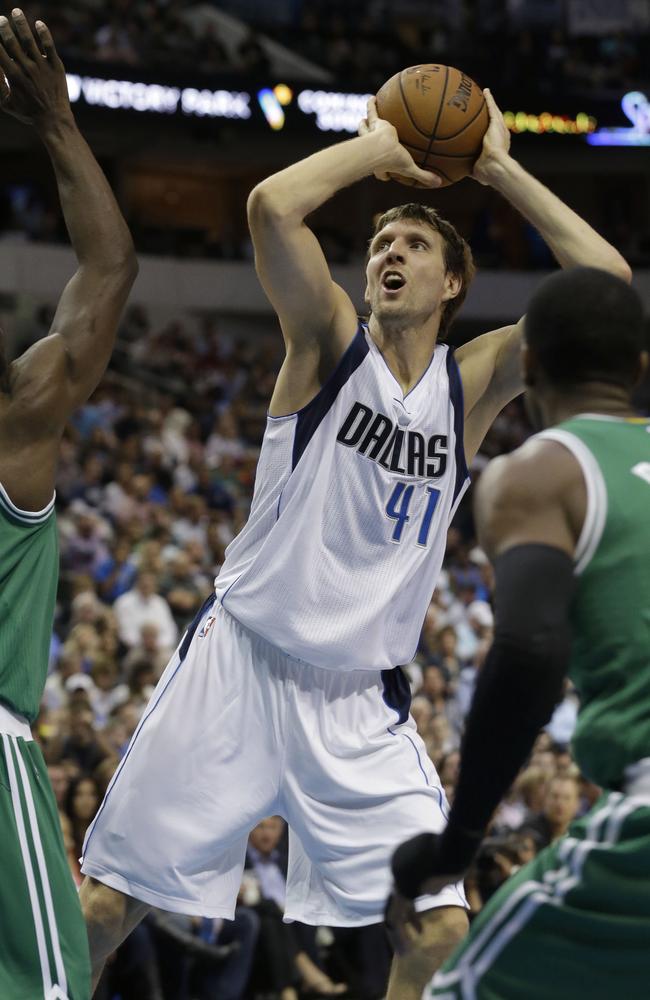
point(361, 42)
point(155, 479)
point(153, 34)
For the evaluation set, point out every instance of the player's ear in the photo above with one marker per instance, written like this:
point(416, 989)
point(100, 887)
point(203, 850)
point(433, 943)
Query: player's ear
point(453, 285)
point(366, 295)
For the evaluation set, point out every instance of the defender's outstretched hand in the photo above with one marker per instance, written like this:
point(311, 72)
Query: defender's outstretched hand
point(496, 142)
point(399, 165)
point(33, 85)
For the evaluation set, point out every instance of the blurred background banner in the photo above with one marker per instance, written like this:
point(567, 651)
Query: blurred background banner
point(600, 17)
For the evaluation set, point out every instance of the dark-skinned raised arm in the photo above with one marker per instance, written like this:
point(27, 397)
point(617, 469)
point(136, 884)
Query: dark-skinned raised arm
point(60, 372)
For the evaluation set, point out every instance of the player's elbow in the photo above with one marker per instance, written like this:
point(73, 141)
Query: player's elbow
point(624, 271)
point(267, 205)
point(619, 267)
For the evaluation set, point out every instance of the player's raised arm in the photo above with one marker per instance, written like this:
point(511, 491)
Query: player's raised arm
point(60, 371)
point(490, 364)
point(288, 257)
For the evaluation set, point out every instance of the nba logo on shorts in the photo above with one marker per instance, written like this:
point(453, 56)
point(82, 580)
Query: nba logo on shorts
point(206, 628)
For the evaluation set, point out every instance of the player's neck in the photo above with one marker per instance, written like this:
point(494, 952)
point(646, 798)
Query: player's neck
point(592, 397)
point(406, 349)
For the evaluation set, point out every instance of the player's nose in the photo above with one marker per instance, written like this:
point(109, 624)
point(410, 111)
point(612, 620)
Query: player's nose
point(395, 251)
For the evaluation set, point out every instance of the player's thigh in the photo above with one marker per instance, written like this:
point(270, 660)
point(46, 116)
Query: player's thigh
point(201, 770)
point(43, 940)
point(358, 784)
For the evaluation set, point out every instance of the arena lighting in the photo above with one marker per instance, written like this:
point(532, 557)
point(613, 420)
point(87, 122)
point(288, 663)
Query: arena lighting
point(521, 121)
point(127, 95)
point(636, 108)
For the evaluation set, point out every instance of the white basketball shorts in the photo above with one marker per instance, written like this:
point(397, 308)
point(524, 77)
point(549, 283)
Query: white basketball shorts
point(235, 731)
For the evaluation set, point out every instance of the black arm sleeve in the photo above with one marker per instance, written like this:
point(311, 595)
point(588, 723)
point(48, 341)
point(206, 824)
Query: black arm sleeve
point(516, 692)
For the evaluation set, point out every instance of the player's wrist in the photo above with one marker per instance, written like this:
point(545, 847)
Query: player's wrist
point(56, 126)
point(382, 149)
point(499, 167)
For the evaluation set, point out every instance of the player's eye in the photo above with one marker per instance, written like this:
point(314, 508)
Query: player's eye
point(419, 244)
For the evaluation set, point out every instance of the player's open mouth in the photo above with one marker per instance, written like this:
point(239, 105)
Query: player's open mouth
point(392, 281)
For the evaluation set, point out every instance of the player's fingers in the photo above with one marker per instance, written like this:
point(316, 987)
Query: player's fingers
point(7, 65)
point(24, 34)
point(10, 43)
point(363, 128)
point(372, 110)
point(426, 178)
point(47, 44)
point(493, 108)
point(5, 90)
point(382, 177)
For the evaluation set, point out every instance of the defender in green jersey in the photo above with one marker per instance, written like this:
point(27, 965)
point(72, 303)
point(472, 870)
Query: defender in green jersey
point(43, 941)
point(566, 520)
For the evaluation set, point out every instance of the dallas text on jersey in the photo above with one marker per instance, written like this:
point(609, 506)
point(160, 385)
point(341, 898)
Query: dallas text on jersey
point(378, 438)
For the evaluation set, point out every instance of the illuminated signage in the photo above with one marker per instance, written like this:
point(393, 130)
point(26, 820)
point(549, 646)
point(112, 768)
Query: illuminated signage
point(154, 97)
point(521, 121)
point(334, 112)
point(272, 103)
point(277, 107)
point(637, 110)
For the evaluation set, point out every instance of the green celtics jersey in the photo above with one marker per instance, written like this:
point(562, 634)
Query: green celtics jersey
point(29, 568)
point(610, 657)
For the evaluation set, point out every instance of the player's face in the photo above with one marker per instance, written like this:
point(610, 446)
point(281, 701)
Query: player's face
point(406, 276)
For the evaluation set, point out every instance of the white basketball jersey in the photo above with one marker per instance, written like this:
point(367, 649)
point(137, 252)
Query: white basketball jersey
point(347, 531)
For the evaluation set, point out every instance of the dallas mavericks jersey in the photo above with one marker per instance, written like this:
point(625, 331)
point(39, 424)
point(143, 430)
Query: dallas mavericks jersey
point(348, 525)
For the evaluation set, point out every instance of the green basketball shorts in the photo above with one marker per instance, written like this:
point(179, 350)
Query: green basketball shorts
point(43, 941)
point(574, 923)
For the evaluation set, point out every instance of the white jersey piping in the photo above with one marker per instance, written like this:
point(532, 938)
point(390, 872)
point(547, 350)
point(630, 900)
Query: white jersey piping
point(596, 513)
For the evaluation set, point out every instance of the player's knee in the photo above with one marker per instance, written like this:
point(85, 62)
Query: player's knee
point(442, 930)
point(104, 911)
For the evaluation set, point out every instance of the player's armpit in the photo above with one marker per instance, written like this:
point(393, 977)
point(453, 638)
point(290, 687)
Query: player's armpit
point(491, 374)
point(536, 495)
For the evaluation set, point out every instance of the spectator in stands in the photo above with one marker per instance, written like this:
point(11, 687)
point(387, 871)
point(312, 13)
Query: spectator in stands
point(81, 747)
point(81, 803)
point(84, 549)
point(143, 605)
point(180, 589)
point(287, 955)
point(116, 574)
point(560, 809)
point(204, 958)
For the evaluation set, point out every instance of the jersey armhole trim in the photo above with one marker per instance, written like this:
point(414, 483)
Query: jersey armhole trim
point(24, 516)
point(596, 513)
point(457, 400)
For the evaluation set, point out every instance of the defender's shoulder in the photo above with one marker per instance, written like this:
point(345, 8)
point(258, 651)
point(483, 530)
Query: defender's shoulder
point(535, 493)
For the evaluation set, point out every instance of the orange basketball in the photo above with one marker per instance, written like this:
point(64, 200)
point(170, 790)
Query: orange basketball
point(440, 115)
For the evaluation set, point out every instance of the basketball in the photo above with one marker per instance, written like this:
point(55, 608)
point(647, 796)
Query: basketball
point(440, 115)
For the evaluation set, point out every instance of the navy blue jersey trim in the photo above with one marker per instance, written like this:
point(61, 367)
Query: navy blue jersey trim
point(456, 396)
point(397, 692)
point(310, 417)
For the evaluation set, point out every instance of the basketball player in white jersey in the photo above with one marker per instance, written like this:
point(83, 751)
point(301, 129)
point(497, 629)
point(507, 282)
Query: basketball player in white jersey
point(285, 695)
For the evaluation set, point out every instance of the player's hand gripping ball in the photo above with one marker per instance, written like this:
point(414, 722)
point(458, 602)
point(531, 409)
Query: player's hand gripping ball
point(440, 115)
